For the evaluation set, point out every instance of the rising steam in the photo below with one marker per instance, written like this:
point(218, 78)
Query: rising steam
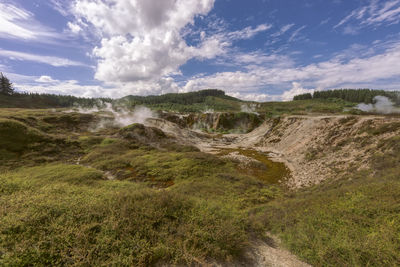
point(249, 108)
point(117, 116)
point(382, 105)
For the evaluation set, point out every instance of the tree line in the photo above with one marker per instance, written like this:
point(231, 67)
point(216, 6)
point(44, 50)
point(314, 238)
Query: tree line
point(178, 98)
point(11, 98)
point(36, 100)
point(352, 95)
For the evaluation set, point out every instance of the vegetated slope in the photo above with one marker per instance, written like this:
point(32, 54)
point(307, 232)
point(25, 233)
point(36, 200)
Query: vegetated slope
point(168, 203)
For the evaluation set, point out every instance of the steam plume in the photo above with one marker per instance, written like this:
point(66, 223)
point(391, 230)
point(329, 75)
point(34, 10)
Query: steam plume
point(120, 115)
point(249, 108)
point(382, 105)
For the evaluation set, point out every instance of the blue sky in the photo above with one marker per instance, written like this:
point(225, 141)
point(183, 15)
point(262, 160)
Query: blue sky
point(257, 50)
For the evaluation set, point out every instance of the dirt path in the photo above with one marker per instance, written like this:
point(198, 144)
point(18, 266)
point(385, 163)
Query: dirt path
point(264, 254)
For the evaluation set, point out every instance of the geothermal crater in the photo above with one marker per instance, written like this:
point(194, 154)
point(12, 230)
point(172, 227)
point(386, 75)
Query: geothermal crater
point(298, 151)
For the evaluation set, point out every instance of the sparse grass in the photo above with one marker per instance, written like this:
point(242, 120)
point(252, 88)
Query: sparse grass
point(348, 120)
point(380, 129)
point(312, 154)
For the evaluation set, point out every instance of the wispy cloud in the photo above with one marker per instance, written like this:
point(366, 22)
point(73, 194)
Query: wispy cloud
point(16, 22)
point(373, 69)
point(49, 60)
point(296, 33)
point(248, 32)
point(376, 13)
point(60, 6)
point(283, 30)
point(325, 21)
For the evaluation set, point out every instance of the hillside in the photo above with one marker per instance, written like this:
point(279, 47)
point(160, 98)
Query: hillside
point(199, 101)
point(283, 184)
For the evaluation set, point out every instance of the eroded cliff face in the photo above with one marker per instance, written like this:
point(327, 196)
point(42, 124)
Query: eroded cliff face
point(216, 122)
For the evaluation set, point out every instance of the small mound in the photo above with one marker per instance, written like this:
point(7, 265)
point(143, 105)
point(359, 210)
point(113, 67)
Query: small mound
point(141, 133)
point(17, 137)
point(48, 174)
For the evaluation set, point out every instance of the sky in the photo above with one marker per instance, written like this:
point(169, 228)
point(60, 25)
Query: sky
point(262, 50)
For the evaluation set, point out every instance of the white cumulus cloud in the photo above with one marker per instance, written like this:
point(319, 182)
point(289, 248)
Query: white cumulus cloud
point(141, 40)
point(297, 89)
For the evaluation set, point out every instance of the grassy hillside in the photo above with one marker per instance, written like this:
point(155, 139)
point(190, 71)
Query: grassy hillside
point(55, 212)
point(303, 107)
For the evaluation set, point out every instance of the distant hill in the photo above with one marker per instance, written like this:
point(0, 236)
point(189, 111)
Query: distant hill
point(179, 98)
point(187, 102)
